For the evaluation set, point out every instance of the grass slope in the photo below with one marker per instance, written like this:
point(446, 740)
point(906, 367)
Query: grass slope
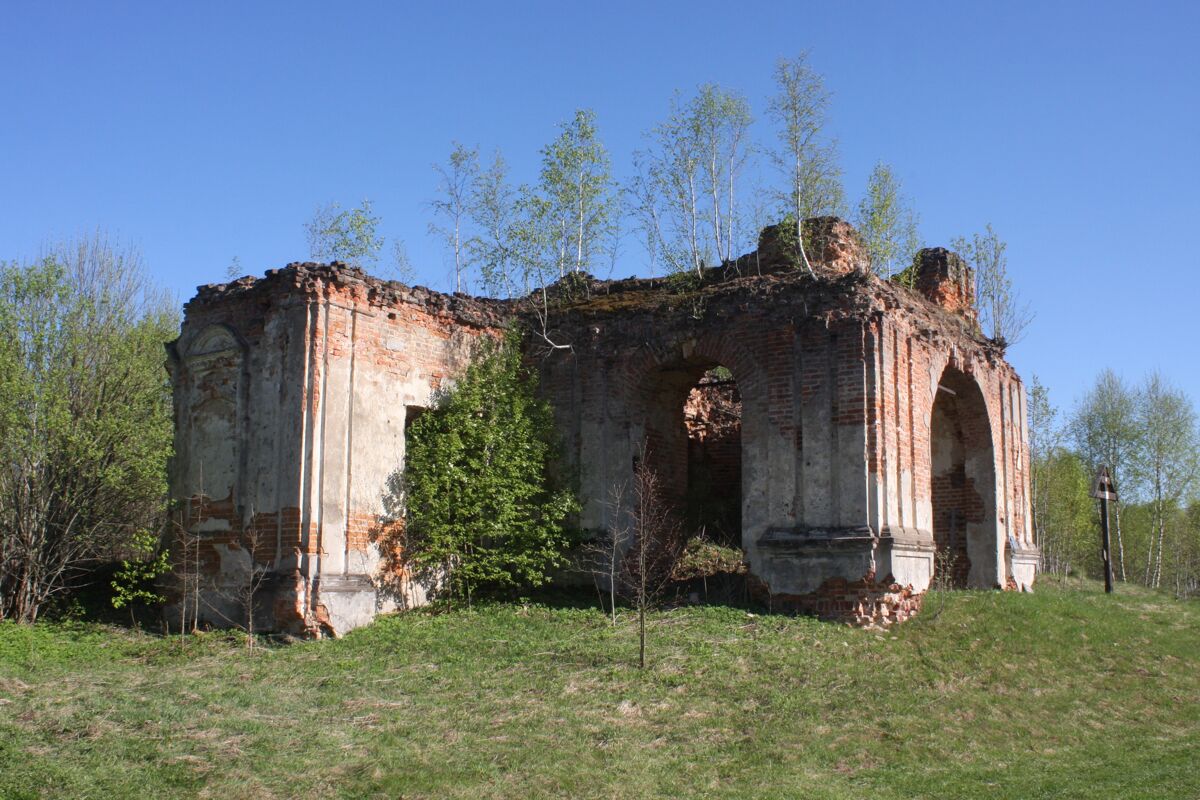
point(1064, 693)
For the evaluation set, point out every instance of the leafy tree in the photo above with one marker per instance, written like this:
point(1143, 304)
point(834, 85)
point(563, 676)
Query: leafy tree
point(887, 223)
point(1105, 431)
point(134, 582)
point(722, 119)
point(452, 207)
point(805, 156)
point(563, 222)
point(1068, 538)
point(1169, 458)
point(85, 415)
point(1045, 436)
point(685, 190)
point(493, 210)
point(483, 507)
point(1001, 311)
point(576, 180)
point(337, 234)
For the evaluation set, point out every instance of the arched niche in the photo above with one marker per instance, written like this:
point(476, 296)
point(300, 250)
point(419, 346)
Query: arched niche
point(213, 362)
point(962, 485)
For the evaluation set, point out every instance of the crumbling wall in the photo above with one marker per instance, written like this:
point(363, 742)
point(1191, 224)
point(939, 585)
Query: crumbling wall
point(838, 373)
point(292, 394)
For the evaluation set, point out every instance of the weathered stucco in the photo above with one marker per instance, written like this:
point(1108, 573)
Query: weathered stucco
point(876, 423)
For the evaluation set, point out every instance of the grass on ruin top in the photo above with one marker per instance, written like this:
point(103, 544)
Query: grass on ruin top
point(1062, 693)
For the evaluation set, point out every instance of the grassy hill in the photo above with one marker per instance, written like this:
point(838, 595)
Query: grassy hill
point(1063, 693)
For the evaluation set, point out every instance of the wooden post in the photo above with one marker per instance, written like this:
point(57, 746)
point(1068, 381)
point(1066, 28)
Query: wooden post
point(1104, 546)
point(1104, 491)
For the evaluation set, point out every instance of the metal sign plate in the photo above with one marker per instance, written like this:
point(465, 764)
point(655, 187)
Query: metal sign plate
point(1102, 487)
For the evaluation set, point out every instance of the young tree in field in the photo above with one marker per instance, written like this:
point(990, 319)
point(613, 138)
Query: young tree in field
point(483, 506)
point(85, 415)
point(337, 234)
point(456, 179)
point(887, 223)
point(1002, 314)
point(806, 158)
point(1106, 432)
point(1169, 456)
point(655, 547)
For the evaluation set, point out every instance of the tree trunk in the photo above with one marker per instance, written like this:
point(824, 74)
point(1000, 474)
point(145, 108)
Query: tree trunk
point(642, 635)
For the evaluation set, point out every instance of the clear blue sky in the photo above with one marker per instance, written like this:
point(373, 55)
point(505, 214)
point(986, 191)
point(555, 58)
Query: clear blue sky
point(205, 131)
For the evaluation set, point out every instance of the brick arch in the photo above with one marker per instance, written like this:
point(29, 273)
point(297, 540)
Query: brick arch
point(657, 379)
point(215, 338)
point(962, 480)
point(710, 346)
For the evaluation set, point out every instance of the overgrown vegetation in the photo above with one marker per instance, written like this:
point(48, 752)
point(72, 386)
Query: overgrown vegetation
point(85, 416)
point(1064, 693)
point(484, 509)
point(1148, 437)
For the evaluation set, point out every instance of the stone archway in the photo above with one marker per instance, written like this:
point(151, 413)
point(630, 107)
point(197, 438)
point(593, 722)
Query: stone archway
point(962, 485)
point(667, 380)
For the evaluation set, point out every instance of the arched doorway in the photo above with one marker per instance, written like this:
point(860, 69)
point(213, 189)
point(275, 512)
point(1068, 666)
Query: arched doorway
point(712, 416)
point(694, 446)
point(962, 486)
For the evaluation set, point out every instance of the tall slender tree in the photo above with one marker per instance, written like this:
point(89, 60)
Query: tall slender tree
point(1106, 432)
point(452, 206)
point(805, 156)
point(722, 121)
point(1003, 314)
point(685, 193)
point(887, 223)
point(1169, 456)
point(576, 199)
point(493, 211)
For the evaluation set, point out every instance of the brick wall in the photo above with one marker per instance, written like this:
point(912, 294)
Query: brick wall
point(292, 393)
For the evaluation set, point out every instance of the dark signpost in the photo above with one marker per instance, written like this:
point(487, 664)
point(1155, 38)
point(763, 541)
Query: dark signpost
point(1104, 491)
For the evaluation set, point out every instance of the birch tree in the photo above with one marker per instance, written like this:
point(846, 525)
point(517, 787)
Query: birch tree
point(722, 120)
point(1106, 432)
point(575, 200)
point(1170, 458)
point(350, 235)
point(1002, 313)
point(685, 192)
point(887, 223)
point(452, 206)
point(805, 156)
point(493, 209)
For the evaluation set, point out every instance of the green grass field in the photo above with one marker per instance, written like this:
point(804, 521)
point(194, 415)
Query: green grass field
point(1064, 693)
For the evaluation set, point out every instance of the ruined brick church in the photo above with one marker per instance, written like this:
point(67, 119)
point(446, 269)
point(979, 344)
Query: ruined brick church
point(852, 435)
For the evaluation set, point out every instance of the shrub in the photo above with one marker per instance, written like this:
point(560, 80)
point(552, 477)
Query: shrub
point(483, 510)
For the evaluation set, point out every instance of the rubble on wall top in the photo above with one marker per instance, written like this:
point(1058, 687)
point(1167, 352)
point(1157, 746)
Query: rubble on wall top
point(315, 278)
point(840, 271)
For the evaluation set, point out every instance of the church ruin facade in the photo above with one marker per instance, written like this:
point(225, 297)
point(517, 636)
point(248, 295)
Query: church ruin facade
point(854, 436)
